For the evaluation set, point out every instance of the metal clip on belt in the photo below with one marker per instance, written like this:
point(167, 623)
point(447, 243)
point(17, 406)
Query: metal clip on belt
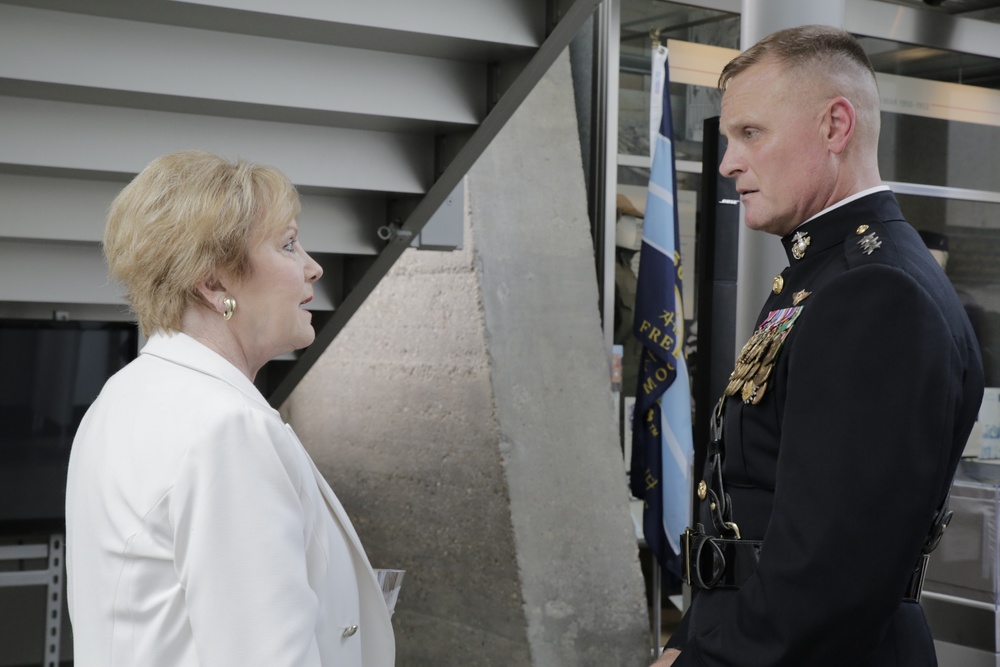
point(716, 562)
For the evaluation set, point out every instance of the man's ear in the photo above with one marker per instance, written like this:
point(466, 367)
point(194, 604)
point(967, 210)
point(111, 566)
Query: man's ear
point(839, 124)
point(212, 291)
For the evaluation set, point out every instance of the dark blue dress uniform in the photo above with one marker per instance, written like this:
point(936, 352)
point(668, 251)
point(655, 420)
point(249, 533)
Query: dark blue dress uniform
point(839, 444)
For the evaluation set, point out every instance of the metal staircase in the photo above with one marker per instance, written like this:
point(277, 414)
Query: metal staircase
point(375, 109)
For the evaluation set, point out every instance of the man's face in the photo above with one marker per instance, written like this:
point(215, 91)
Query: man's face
point(776, 149)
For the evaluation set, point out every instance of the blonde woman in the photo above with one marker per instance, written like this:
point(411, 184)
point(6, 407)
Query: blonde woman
point(199, 531)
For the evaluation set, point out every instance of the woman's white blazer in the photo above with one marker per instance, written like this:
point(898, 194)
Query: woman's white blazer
point(200, 533)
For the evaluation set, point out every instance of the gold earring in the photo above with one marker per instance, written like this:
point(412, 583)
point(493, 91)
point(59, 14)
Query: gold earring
point(230, 305)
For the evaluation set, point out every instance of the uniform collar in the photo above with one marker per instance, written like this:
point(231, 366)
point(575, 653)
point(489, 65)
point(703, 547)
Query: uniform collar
point(848, 200)
point(181, 349)
point(838, 222)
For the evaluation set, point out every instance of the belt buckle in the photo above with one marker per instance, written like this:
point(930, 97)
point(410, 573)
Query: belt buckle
point(692, 544)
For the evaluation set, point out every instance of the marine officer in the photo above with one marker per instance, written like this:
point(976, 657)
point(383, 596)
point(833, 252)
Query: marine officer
point(848, 410)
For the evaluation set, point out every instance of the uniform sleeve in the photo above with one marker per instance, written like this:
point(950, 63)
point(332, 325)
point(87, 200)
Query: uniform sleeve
point(240, 548)
point(866, 439)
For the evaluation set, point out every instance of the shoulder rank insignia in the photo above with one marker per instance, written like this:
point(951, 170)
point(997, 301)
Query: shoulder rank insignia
point(870, 243)
point(754, 364)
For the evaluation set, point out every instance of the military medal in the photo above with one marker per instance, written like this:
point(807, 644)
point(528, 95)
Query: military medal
point(772, 352)
point(758, 394)
point(761, 376)
point(800, 242)
point(756, 360)
point(799, 297)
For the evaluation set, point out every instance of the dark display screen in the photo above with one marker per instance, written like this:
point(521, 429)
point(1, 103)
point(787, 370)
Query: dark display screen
point(50, 373)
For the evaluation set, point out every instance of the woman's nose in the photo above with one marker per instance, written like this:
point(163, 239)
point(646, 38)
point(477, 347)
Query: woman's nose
point(313, 270)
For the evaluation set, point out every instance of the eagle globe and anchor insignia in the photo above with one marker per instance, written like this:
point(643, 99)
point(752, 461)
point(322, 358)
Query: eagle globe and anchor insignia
point(800, 242)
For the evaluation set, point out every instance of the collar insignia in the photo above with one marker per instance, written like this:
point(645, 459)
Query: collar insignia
point(870, 243)
point(800, 242)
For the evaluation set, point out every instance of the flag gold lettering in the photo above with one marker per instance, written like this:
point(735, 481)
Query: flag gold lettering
point(651, 481)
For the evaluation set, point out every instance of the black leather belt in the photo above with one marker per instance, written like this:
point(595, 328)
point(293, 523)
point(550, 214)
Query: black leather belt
point(716, 562)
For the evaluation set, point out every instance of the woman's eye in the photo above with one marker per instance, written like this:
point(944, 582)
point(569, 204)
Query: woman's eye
point(290, 245)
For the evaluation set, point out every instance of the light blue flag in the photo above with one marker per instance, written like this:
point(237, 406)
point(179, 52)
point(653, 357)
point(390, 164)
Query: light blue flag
point(662, 450)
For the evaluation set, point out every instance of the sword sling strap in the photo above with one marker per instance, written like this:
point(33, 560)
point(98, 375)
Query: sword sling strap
point(727, 561)
point(720, 504)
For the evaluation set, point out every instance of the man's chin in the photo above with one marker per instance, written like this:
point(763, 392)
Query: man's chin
point(764, 226)
point(756, 225)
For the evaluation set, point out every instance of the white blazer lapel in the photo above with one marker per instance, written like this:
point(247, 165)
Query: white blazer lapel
point(375, 612)
point(339, 513)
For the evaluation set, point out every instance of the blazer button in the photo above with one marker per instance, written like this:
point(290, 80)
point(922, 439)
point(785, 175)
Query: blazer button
point(350, 631)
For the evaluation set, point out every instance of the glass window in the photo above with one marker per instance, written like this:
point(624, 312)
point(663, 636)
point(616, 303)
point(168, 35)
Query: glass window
point(940, 151)
point(691, 104)
point(688, 31)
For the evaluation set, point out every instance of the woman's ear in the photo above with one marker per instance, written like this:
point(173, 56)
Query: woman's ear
point(213, 292)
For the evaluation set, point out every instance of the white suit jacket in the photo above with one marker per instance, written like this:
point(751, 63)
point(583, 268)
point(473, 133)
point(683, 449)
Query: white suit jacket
point(200, 533)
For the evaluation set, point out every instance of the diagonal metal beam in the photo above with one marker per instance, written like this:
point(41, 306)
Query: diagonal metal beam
point(573, 17)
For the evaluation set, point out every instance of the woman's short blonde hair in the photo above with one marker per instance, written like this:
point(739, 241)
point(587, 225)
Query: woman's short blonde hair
point(190, 217)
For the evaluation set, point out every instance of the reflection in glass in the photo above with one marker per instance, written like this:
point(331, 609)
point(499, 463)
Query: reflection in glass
point(970, 241)
point(690, 104)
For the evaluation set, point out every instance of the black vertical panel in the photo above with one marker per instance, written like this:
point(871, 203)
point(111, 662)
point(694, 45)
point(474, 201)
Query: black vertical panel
point(716, 248)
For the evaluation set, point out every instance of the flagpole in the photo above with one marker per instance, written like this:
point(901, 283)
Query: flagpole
point(657, 607)
point(662, 447)
point(655, 115)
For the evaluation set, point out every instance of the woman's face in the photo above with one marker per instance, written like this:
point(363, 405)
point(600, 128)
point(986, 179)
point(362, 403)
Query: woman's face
point(270, 319)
